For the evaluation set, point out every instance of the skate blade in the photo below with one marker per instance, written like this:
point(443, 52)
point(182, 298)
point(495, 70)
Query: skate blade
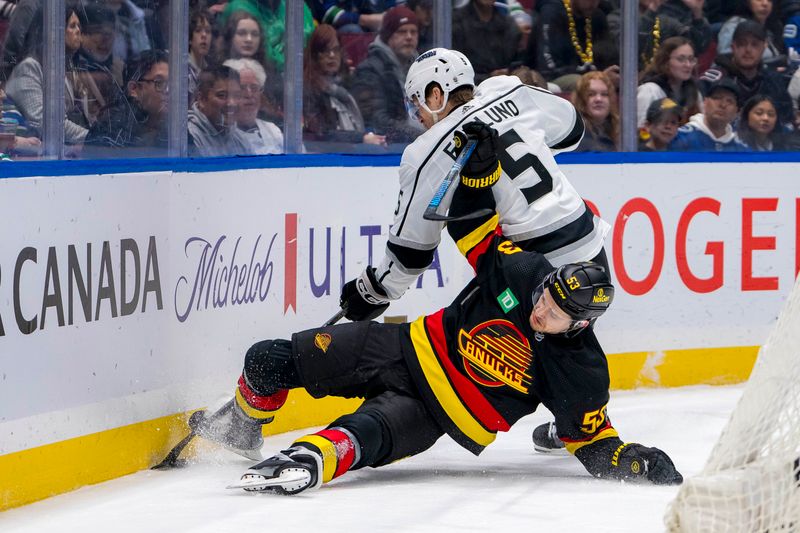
point(253, 455)
point(259, 482)
point(551, 451)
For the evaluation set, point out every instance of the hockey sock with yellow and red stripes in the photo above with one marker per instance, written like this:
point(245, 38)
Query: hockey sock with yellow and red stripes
point(269, 372)
point(338, 448)
point(259, 408)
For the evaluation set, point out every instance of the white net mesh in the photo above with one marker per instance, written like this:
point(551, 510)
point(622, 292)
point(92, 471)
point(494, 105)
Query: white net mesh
point(751, 482)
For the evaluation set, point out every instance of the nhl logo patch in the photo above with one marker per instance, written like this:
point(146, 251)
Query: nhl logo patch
point(322, 341)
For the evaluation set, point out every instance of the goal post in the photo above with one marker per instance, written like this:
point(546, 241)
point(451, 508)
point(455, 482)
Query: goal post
point(751, 481)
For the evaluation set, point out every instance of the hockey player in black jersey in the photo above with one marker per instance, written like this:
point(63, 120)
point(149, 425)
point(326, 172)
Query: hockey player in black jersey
point(538, 208)
point(519, 335)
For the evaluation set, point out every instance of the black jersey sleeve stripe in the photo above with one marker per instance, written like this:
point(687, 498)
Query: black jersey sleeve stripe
point(561, 237)
point(410, 258)
point(574, 136)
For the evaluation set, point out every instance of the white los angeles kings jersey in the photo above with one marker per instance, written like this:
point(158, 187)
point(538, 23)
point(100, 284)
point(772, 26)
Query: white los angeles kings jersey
point(538, 207)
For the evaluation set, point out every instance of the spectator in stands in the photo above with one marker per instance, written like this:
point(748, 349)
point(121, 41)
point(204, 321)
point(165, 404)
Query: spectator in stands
point(330, 112)
point(655, 28)
point(790, 15)
point(25, 87)
point(524, 21)
point(379, 80)
point(746, 68)
point(528, 76)
point(7, 8)
point(660, 126)
point(794, 94)
point(23, 142)
point(718, 11)
point(138, 121)
point(574, 38)
point(711, 131)
point(265, 137)
point(212, 118)
point(423, 9)
point(97, 51)
point(759, 129)
point(349, 16)
point(242, 37)
point(760, 11)
point(688, 13)
point(595, 99)
point(24, 34)
point(488, 36)
point(671, 74)
point(271, 15)
point(199, 47)
point(130, 31)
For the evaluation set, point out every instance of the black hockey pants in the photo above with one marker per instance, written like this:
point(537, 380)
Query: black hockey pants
point(361, 360)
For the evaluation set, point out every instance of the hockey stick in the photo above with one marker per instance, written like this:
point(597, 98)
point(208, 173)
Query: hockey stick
point(172, 459)
point(335, 318)
point(437, 208)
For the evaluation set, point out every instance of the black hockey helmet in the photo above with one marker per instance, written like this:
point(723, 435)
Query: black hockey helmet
point(582, 290)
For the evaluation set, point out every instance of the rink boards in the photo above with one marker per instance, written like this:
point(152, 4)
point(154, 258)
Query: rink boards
point(128, 298)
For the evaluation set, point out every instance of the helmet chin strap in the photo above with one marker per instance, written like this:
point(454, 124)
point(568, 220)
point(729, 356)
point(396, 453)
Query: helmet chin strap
point(435, 114)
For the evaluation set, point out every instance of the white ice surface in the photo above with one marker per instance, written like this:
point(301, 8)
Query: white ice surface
point(509, 487)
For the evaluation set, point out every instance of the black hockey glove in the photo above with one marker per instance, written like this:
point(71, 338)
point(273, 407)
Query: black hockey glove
point(363, 298)
point(634, 462)
point(482, 169)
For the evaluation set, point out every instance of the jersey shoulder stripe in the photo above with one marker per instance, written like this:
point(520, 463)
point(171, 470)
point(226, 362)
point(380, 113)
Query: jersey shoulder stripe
point(573, 137)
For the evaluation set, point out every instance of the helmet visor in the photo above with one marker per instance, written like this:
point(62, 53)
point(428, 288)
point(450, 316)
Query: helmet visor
point(413, 110)
point(548, 317)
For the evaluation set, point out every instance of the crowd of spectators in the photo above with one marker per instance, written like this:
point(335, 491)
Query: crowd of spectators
point(713, 75)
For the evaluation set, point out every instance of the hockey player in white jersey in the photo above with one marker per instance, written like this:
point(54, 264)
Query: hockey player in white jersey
point(538, 207)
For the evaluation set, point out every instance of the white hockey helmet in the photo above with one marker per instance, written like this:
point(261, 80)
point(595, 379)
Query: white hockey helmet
point(449, 68)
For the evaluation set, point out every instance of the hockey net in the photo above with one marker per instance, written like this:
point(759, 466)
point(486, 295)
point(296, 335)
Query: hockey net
point(751, 482)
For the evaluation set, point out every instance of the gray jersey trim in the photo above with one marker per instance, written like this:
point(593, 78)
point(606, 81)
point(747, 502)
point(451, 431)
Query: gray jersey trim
point(544, 230)
point(583, 249)
point(410, 244)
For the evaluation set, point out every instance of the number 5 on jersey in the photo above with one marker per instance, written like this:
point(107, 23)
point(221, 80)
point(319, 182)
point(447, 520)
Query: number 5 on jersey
point(592, 420)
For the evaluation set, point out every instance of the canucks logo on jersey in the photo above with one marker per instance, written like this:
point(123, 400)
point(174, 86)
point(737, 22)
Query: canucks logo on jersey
point(496, 353)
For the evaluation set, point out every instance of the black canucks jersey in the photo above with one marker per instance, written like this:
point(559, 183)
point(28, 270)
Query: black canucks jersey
point(479, 365)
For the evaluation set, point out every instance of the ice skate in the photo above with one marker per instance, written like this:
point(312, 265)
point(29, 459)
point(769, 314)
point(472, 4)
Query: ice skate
point(288, 472)
point(234, 430)
point(545, 440)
